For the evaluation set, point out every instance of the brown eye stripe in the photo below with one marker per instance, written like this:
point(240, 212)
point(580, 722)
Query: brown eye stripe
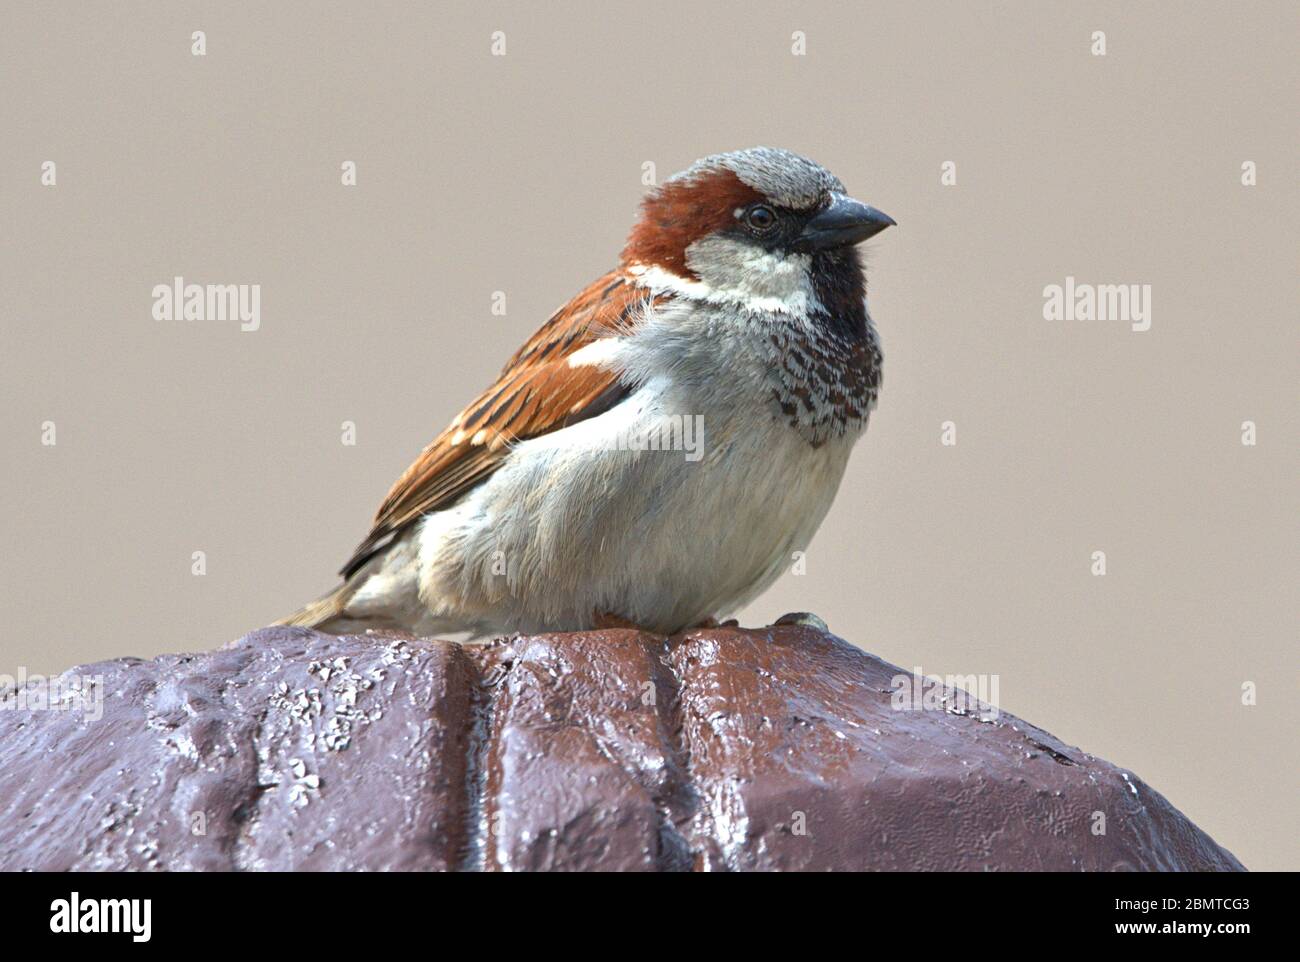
point(680, 213)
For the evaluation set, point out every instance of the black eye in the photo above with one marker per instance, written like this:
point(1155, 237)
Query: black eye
point(760, 217)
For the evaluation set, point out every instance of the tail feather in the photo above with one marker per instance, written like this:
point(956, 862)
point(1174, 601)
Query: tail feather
point(322, 610)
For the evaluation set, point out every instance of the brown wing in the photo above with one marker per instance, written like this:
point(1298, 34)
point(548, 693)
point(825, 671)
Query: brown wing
point(536, 393)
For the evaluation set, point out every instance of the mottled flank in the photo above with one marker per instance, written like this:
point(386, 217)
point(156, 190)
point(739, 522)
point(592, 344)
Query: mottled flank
point(716, 750)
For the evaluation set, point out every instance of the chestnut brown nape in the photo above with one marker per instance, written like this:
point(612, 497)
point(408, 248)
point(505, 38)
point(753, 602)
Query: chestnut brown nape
point(681, 212)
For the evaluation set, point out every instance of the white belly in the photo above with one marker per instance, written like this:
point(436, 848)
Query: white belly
point(571, 525)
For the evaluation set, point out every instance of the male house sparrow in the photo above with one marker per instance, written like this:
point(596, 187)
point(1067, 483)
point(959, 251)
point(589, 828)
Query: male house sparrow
point(549, 503)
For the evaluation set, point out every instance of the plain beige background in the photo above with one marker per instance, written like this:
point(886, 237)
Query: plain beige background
point(522, 173)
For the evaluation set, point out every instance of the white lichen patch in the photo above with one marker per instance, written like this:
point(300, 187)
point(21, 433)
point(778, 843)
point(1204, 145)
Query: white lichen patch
point(322, 718)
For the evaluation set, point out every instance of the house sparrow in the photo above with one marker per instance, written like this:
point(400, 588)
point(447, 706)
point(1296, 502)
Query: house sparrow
point(737, 314)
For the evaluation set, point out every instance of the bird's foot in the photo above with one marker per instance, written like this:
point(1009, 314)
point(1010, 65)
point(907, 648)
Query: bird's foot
point(805, 618)
point(604, 619)
point(714, 623)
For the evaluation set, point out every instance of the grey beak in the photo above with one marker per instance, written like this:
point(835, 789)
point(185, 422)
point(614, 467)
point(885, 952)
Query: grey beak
point(846, 221)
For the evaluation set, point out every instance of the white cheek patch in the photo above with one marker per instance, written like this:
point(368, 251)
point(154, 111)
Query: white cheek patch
point(789, 271)
point(658, 280)
point(734, 273)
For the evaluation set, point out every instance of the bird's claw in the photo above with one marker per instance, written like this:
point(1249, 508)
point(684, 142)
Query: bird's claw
point(805, 618)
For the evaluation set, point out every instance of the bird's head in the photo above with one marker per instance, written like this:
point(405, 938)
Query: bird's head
point(760, 229)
